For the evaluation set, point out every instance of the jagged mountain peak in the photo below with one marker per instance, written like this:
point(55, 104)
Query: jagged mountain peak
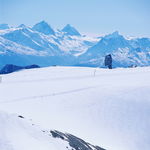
point(4, 26)
point(43, 23)
point(115, 34)
point(22, 26)
point(70, 30)
point(44, 28)
point(68, 26)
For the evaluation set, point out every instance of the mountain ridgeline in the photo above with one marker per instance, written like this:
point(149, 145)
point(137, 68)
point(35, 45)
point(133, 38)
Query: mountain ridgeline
point(44, 46)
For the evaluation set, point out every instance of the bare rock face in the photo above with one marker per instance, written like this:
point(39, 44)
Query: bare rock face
point(9, 68)
point(44, 28)
point(75, 142)
point(108, 61)
point(68, 29)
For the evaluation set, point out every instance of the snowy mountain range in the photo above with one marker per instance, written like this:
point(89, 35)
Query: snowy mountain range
point(43, 45)
point(125, 52)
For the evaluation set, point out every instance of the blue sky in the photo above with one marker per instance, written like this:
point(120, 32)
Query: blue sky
point(129, 17)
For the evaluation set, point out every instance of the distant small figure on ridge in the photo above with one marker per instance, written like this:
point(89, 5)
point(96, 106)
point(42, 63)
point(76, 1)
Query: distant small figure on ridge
point(108, 61)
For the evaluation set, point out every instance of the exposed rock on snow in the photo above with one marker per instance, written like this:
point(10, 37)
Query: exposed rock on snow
point(17, 133)
point(75, 142)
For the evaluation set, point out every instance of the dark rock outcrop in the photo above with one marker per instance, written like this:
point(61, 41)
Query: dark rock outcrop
point(21, 117)
point(75, 142)
point(108, 61)
point(9, 68)
point(31, 66)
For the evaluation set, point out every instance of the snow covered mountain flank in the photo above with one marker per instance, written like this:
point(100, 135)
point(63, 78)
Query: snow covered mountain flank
point(110, 109)
point(68, 29)
point(42, 45)
point(4, 26)
point(44, 28)
point(45, 46)
point(125, 52)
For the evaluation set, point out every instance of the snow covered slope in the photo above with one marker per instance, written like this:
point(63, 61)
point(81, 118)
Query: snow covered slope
point(13, 53)
point(4, 26)
point(18, 133)
point(110, 109)
point(55, 43)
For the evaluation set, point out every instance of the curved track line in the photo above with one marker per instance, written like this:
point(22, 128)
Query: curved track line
point(47, 95)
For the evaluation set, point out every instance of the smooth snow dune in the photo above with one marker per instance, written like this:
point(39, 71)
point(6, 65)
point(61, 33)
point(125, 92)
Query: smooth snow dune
point(110, 109)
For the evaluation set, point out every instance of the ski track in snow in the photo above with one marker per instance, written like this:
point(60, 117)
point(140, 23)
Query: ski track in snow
point(47, 95)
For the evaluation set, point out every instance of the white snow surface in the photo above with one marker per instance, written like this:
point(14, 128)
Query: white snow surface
point(9, 46)
point(18, 134)
point(110, 109)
